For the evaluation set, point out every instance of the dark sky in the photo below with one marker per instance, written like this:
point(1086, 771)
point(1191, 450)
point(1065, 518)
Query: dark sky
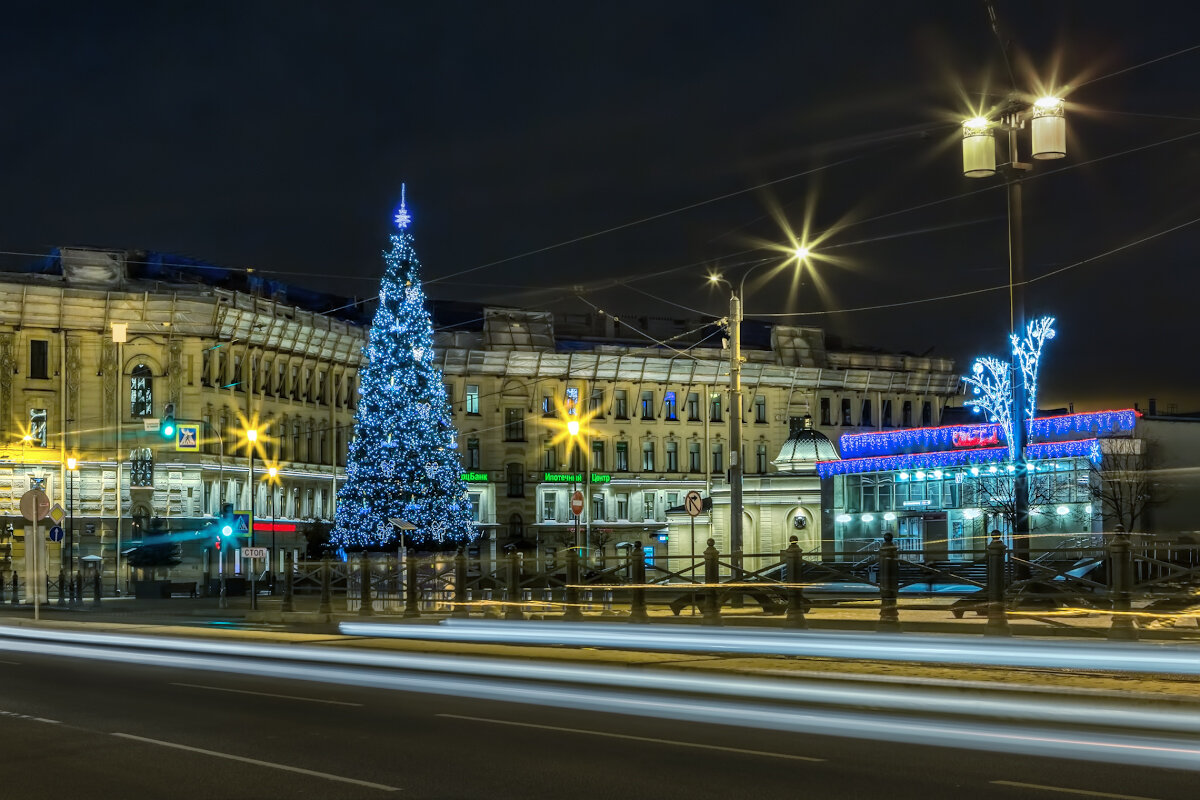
point(275, 136)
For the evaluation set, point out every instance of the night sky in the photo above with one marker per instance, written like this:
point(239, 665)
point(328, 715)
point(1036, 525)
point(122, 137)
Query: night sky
point(275, 136)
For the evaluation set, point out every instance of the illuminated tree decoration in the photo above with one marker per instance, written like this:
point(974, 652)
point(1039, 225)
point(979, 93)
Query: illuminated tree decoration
point(991, 389)
point(403, 461)
point(1029, 353)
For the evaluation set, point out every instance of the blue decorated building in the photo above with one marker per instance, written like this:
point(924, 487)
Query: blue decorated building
point(941, 490)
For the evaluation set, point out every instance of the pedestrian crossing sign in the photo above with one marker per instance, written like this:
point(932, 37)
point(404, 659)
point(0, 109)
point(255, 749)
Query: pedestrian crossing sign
point(241, 523)
point(187, 438)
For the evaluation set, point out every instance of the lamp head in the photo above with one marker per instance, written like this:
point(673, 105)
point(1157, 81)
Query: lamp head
point(71, 462)
point(252, 435)
point(573, 427)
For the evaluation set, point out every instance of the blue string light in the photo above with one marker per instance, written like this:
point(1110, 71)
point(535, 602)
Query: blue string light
point(1043, 451)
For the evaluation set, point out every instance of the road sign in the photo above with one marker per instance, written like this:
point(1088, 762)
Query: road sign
point(56, 534)
point(35, 505)
point(241, 523)
point(150, 424)
point(187, 438)
point(577, 503)
point(254, 552)
point(57, 513)
point(694, 503)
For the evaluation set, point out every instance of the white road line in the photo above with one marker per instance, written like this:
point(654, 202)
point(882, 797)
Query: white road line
point(267, 694)
point(15, 715)
point(256, 762)
point(634, 738)
point(11, 663)
point(1064, 790)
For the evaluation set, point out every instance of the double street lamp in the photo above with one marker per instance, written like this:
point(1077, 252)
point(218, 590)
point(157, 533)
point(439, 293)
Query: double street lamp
point(1048, 141)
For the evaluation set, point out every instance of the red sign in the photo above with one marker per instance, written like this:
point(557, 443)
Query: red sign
point(981, 437)
point(274, 527)
point(577, 503)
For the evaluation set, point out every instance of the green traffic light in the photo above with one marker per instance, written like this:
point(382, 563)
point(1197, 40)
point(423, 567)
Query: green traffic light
point(226, 529)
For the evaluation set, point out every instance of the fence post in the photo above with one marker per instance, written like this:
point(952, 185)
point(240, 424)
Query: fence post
point(289, 586)
point(62, 588)
point(77, 586)
point(96, 590)
point(513, 610)
point(889, 587)
point(15, 587)
point(997, 613)
point(793, 559)
point(712, 579)
point(1120, 574)
point(412, 588)
point(366, 606)
point(460, 584)
point(326, 587)
point(571, 594)
point(637, 576)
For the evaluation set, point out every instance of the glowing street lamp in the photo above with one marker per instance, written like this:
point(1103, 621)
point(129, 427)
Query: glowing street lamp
point(251, 489)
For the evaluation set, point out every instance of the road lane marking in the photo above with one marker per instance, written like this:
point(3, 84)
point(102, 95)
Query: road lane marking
point(1064, 790)
point(634, 738)
point(256, 762)
point(268, 694)
point(11, 663)
point(15, 715)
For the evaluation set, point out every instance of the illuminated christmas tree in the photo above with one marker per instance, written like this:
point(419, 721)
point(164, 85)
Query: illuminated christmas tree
point(403, 462)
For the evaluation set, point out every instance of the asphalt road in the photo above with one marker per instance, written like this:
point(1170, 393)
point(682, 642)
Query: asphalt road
point(94, 729)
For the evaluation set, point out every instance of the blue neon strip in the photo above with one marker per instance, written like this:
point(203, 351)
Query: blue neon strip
point(1093, 422)
point(1081, 448)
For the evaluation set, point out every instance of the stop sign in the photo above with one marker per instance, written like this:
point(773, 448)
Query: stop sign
point(577, 503)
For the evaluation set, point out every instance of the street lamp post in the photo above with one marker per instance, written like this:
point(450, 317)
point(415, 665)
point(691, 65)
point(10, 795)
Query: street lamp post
point(251, 442)
point(72, 467)
point(1048, 141)
point(272, 476)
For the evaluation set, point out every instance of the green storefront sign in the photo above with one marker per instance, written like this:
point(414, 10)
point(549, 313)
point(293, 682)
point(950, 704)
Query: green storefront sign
point(474, 477)
point(575, 477)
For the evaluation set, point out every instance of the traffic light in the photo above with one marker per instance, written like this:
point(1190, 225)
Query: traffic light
point(166, 428)
point(217, 544)
point(226, 523)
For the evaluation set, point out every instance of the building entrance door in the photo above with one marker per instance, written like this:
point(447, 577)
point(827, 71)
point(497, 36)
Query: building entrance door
point(910, 534)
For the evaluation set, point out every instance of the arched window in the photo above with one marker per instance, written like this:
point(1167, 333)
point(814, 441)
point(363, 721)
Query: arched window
point(516, 527)
point(141, 392)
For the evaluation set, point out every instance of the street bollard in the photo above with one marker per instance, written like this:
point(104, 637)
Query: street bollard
point(997, 613)
point(571, 594)
point(608, 601)
point(460, 585)
point(712, 580)
point(289, 585)
point(78, 586)
point(513, 563)
point(889, 587)
point(412, 606)
point(62, 588)
point(15, 588)
point(96, 590)
point(793, 558)
point(1120, 575)
point(366, 606)
point(637, 573)
point(326, 606)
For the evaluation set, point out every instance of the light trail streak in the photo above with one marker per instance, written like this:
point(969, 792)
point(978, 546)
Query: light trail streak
point(1114, 656)
point(1140, 748)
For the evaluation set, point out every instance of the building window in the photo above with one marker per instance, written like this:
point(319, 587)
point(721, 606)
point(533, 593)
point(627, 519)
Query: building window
point(597, 507)
point(472, 399)
point(825, 419)
point(694, 457)
point(472, 454)
point(39, 358)
point(760, 409)
point(847, 419)
point(514, 424)
point(449, 387)
point(141, 467)
point(672, 499)
point(648, 505)
point(647, 405)
point(550, 459)
point(715, 408)
point(669, 411)
point(619, 409)
point(547, 405)
point(718, 460)
point(760, 458)
point(672, 457)
point(37, 426)
point(596, 402)
point(598, 456)
point(693, 407)
point(550, 507)
point(622, 464)
point(476, 500)
point(927, 413)
point(647, 456)
point(516, 480)
point(886, 413)
point(907, 412)
point(866, 413)
point(571, 404)
point(623, 506)
point(516, 527)
point(141, 392)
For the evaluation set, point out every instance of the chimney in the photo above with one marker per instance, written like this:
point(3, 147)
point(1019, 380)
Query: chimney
point(1153, 407)
point(1071, 408)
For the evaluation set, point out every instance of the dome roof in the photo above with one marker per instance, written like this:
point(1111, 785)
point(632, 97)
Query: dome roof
point(803, 449)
